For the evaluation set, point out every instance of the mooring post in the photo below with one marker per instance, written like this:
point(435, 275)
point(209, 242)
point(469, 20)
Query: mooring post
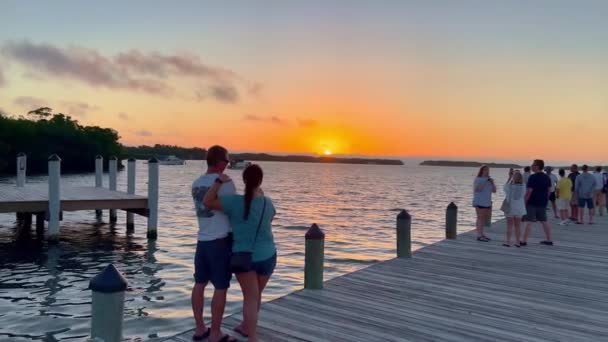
point(98, 182)
point(404, 235)
point(54, 196)
point(113, 168)
point(131, 164)
point(313, 258)
point(21, 169)
point(451, 221)
point(152, 198)
point(107, 308)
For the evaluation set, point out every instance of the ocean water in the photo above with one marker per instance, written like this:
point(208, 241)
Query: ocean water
point(43, 288)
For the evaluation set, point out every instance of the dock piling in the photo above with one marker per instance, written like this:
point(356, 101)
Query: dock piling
point(404, 235)
point(313, 258)
point(107, 308)
point(21, 169)
point(98, 182)
point(152, 198)
point(54, 196)
point(131, 164)
point(451, 221)
point(113, 167)
point(39, 223)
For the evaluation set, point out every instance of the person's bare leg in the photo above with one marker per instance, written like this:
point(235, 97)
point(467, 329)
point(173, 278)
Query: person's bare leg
point(198, 303)
point(218, 304)
point(591, 214)
point(479, 223)
point(527, 232)
point(581, 215)
point(517, 224)
point(262, 281)
point(547, 229)
point(249, 287)
point(554, 206)
point(509, 230)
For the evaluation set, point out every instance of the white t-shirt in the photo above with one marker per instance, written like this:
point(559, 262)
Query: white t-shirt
point(554, 181)
point(212, 224)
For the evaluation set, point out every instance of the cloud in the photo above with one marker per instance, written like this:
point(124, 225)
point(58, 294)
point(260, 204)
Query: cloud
point(30, 103)
point(256, 89)
point(123, 116)
point(306, 122)
point(2, 79)
point(144, 133)
point(272, 119)
point(134, 70)
point(80, 109)
point(224, 93)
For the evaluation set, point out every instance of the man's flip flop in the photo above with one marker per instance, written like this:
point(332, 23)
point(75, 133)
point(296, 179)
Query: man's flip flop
point(240, 332)
point(203, 336)
point(227, 338)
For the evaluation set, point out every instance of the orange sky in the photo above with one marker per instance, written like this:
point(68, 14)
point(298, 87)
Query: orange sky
point(435, 82)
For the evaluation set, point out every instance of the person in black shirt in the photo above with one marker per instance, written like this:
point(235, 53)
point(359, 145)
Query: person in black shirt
point(574, 202)
point(537, 198)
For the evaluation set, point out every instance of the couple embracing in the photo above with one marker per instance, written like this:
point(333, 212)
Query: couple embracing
point(234, 236)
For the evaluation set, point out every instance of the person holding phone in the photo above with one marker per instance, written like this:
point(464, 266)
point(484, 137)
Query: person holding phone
point(483, 188)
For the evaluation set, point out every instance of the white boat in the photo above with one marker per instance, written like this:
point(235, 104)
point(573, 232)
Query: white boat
point(170, 160)
point(238, 164)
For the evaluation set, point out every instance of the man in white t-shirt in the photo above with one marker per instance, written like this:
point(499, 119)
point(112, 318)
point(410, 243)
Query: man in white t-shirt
point(552, 197)
point(599, 197)
point(213, 249)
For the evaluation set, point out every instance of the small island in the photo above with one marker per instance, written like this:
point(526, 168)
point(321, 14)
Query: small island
point(452, 163)
point(311, 159)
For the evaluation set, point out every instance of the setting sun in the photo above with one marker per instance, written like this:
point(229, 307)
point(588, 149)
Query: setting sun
point(327, 152)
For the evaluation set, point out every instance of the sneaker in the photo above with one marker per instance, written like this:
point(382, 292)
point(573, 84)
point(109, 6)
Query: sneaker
point(547, 243)
point(523, 244)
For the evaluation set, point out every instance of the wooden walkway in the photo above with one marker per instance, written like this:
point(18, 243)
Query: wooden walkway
point(458, 290)
point(35, 198)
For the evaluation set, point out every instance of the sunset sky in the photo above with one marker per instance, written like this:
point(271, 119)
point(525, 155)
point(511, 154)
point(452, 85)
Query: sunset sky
point(506, 80)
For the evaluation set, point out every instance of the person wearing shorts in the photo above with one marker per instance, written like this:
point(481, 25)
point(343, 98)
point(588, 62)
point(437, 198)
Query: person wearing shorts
point(563, 192)
point(599, 197)
point(213, 249)
point(552, 197)
point(537, 198)
point(251, 218)
point(574, 200)
point(585, 187)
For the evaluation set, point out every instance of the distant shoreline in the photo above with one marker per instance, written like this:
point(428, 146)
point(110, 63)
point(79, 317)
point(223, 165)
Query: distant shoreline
point(451, 163)
point(318, 160)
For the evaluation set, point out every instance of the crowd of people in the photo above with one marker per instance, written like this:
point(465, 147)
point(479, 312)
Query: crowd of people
point(234, 237)
point(528, 195)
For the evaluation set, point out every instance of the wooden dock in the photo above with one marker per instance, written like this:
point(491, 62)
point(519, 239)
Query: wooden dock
point(457, 290)
point(35, 197)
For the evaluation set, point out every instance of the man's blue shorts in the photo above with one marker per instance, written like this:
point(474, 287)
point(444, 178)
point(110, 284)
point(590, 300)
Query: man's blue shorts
point(586, 202)
point(212, 263)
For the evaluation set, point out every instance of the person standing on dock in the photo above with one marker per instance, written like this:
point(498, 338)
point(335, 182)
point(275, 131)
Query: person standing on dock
point(515, 189)
point(483, 188)
point(213, 249)
point(552, 198)
point(537, 199)
point(527, 174)
point(585, 186)
point(564, 196)
point(254, 251)
point(599, 197)
point(574, 202)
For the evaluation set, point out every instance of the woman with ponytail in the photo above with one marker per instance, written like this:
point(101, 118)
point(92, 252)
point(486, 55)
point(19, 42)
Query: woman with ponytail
point(251, 218)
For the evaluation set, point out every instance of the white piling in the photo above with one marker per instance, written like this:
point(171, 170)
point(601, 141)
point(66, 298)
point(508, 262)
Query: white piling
point(113, 167)
point(131, 164)
point(54, 196)
point(98, 181)
point(107, 307)
point(152, 198)
point(21, 169)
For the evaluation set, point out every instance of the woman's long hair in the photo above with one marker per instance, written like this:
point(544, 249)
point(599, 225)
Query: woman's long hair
point(252, 176)
point(480, 173)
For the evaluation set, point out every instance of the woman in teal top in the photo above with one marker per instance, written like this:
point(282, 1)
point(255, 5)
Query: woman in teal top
point(251, 218)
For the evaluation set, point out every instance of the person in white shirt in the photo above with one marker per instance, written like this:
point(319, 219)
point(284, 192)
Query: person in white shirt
point(515, 191)
point(599, 196)
point(552, 198)
point(213, 249)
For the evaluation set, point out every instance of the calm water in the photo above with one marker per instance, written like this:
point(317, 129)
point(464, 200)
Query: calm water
point(43, 289)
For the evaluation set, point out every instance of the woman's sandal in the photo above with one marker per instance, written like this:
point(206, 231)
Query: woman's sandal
point(506, 245)
point(482, 239)
point(240, 332)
